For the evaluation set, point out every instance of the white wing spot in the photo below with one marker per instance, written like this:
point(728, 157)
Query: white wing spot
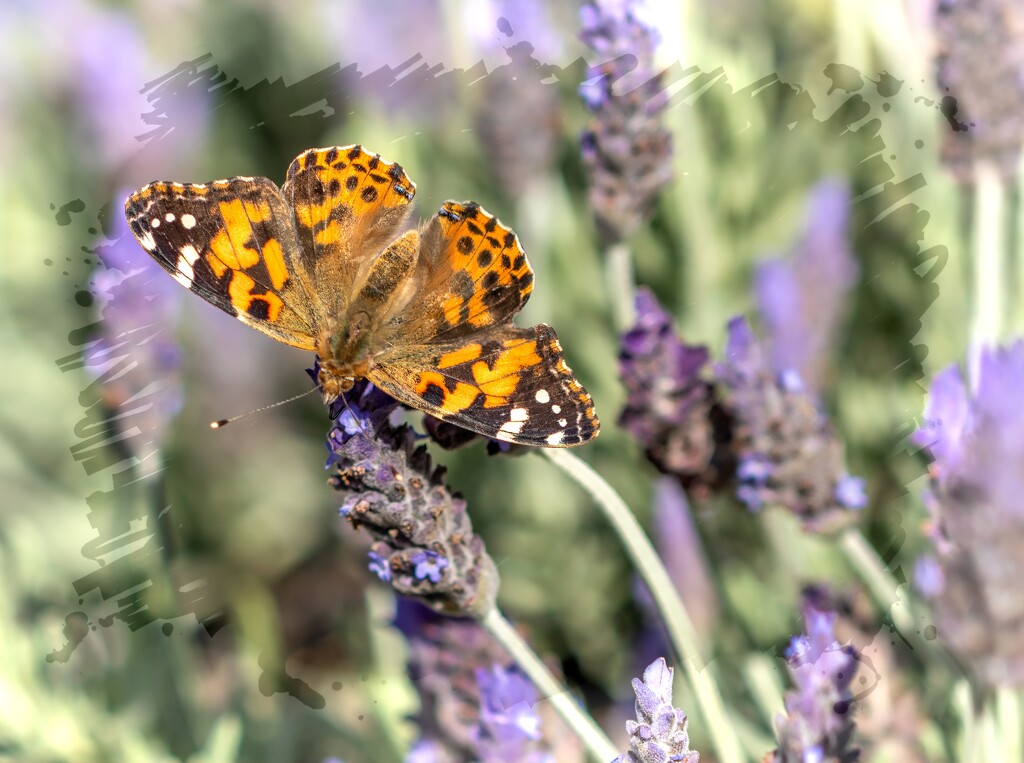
point(513, 427)
point(556, 409)
point(246, 178)
point(519, 414)
point(554, 439)
point(188, 221)
point(184, 275)
point(169, 217)
point(148, 242)
point(542, 396)
point(189, 255)
point(562, 422)
point(154, 223)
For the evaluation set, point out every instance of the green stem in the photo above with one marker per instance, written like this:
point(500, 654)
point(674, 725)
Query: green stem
point(673, 612)
point(621, 284)
point(990, 267)
point(595, 740)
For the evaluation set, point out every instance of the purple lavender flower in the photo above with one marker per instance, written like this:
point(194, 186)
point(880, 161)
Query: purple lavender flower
point(518, 121)
point(423, 534)
point(679, 546)
point(787, 452)
point(659, 731)
point(976, 438)
point(979, 49)
point(444, 656)
point(379, 566)
point(626, 150)
point(509, 727)
point(801, 297)
point(136, 357)
point(744, 427)
point(818, 723)
point(670, 409)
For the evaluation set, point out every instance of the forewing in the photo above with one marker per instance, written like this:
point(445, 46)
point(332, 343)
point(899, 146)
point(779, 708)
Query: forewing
point(348, 205)
point(471, 274)
point(233, 243)
point(508, 383)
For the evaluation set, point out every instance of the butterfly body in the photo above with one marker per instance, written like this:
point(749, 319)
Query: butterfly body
point(424, 314)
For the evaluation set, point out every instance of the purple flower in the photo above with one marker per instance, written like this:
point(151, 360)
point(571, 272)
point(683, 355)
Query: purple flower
point(509, 727)
point(428, 565)
point(679, 545)
point(422, 531)
point(946, 418)
point(976, 438)
point(518, 120)
point(445, 654)
point(818, 723)
point(670, 409)
point(787, 453)
point(379, 566)
point(136, 357)
point(626, 150)
point(801, 297)
point(978, 53)
point(659, 731)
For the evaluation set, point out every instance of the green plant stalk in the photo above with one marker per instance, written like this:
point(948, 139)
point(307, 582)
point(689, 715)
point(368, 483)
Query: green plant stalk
point(621, 284)
point(677, 621)
point(595, 740)
point(989, 260)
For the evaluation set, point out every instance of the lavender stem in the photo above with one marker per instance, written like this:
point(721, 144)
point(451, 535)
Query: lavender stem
point(595, 740)
point(677, 621)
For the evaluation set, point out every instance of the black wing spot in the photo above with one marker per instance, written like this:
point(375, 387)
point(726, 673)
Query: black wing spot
point(491, 225)
point(354, 152)
point(259, 309)
point(484, 258)
point(490, 279)
point(434, 395)
point(506, 262)
point(510, 238)
point(465, 245)
point(351, 182)
point(519, 261)
point(378, 178)
point(331, 155)
point(335, 187)
point(374, 161)
point(369, 194)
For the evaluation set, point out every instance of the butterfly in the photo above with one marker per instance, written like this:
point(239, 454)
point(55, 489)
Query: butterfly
point(324, 263)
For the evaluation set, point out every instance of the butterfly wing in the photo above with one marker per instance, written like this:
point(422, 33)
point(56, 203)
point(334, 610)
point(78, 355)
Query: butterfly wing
point(504, 382)
point(348, 205)
point(234, 244)
point(471, 273)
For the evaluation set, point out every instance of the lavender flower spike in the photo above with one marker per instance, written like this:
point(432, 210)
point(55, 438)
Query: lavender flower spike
point(817, 725)
point(626, 150)
point(976, 440)
point(509, 726)
point(671, 409)
point(786, 449)
point(425, 546)
point(658, 735)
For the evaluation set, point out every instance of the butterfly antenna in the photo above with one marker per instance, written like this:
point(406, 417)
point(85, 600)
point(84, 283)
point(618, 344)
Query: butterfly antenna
point(224, 422)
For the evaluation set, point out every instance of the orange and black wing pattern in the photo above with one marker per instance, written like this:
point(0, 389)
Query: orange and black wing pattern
point(233, 243)
point(349, 205)
point(505, 382)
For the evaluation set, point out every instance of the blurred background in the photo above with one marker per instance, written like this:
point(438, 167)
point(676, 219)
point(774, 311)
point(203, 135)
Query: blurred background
point(174, 593)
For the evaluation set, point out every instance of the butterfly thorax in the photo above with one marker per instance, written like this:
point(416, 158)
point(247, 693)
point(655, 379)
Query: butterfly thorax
point(344, 351)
